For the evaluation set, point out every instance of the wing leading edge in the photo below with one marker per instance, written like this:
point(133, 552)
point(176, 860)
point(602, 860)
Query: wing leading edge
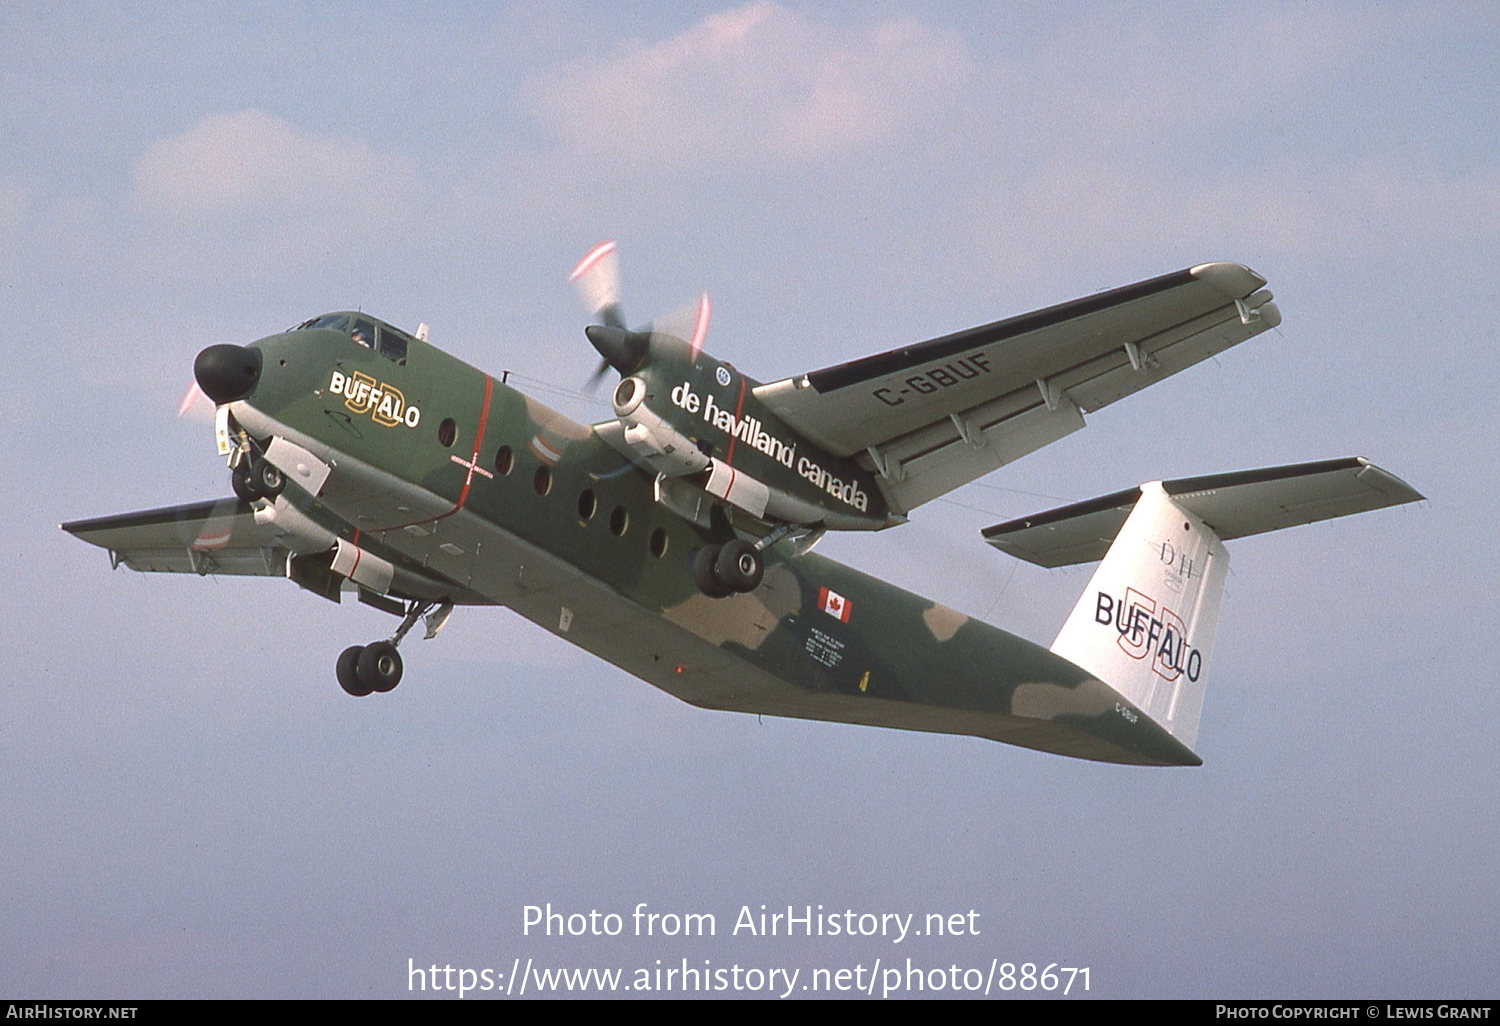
point(933, 416)
point(215, 537)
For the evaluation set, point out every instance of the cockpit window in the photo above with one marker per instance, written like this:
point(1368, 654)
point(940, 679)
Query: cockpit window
point(363, 332)
point(392, 344)
point(384, 339)
point(338, 322)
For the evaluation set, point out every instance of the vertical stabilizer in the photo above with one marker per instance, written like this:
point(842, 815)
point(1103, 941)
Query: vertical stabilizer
point(1145, 625)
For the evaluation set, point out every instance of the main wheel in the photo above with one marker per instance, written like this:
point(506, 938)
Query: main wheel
point(239, 480)
point(266, 478)
point(348, 672)
point(703, 572)
point(380, 666)
point(739, 566)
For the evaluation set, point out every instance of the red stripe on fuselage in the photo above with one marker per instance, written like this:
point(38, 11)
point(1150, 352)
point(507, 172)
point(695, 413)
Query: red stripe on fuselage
point(739, 408)
point(463, 495)
point(484, 416)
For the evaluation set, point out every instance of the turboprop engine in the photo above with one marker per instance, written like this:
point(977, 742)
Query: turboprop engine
point(658, 444)
point(751, 462)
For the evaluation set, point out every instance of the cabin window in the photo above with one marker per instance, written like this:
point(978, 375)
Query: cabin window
point(619, 521)
point(587, 504)
point(447, 432)
point(504, 460)
point(541, 481)
point(659, 542)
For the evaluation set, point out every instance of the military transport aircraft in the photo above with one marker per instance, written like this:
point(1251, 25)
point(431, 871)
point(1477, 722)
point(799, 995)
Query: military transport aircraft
point(675, 539)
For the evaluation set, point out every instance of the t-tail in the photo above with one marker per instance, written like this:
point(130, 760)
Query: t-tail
point(1145, 625)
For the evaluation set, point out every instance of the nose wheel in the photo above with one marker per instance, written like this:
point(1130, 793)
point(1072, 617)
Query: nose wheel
point(377, 667)
point(256, 478)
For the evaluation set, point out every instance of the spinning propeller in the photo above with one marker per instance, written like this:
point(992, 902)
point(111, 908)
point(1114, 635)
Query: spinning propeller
point(597, 277)
point(190, 398)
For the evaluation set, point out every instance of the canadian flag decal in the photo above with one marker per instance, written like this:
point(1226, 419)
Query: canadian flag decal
point(834, 604)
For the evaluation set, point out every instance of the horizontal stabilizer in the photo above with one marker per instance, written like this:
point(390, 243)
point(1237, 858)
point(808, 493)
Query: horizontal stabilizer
point(1232, 505)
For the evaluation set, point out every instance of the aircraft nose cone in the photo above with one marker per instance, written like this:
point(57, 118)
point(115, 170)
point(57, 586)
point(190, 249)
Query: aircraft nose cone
point(226, 373)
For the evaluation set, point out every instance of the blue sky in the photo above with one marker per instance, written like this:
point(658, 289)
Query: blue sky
point(189, 804)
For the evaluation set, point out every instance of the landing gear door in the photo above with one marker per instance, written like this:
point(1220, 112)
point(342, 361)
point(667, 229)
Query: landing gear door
point(298, 464)
point(221, 429)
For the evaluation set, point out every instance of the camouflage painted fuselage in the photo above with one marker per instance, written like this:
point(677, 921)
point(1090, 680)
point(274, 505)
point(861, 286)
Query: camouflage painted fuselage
point(446, 471)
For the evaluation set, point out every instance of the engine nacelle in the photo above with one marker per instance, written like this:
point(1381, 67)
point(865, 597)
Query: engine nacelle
point(658, 444)
point(297, 531)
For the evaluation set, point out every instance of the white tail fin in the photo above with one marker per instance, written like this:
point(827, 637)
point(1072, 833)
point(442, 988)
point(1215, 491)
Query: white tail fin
point(1145, 625)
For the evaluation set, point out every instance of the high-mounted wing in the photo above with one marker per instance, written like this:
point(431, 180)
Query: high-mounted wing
point(933, 416)
point(219, 537)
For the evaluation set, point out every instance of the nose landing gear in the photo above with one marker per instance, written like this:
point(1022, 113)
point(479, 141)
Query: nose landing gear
point(377, 667)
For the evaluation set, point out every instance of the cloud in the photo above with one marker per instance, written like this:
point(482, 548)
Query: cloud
point(1086, 212)
point(232, 164)
point(252, 192)
point(757, 85)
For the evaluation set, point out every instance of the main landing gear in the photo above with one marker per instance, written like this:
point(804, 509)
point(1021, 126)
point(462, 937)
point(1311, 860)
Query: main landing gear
point(732, 568)
point(737, 566)
point(363, 669)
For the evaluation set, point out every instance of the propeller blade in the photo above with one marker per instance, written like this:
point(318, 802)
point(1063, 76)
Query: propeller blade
point(700, 328)
point(597, 277)
point(592, 384)
point(686, 324)
point(189, 398)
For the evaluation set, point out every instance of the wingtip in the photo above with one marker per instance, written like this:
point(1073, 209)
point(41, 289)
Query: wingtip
point(1236, 281)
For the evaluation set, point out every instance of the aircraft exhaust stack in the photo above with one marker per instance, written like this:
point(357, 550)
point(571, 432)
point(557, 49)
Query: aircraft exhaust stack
point(657, 443)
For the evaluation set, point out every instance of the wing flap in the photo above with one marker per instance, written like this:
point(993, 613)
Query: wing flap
point(217, 537)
